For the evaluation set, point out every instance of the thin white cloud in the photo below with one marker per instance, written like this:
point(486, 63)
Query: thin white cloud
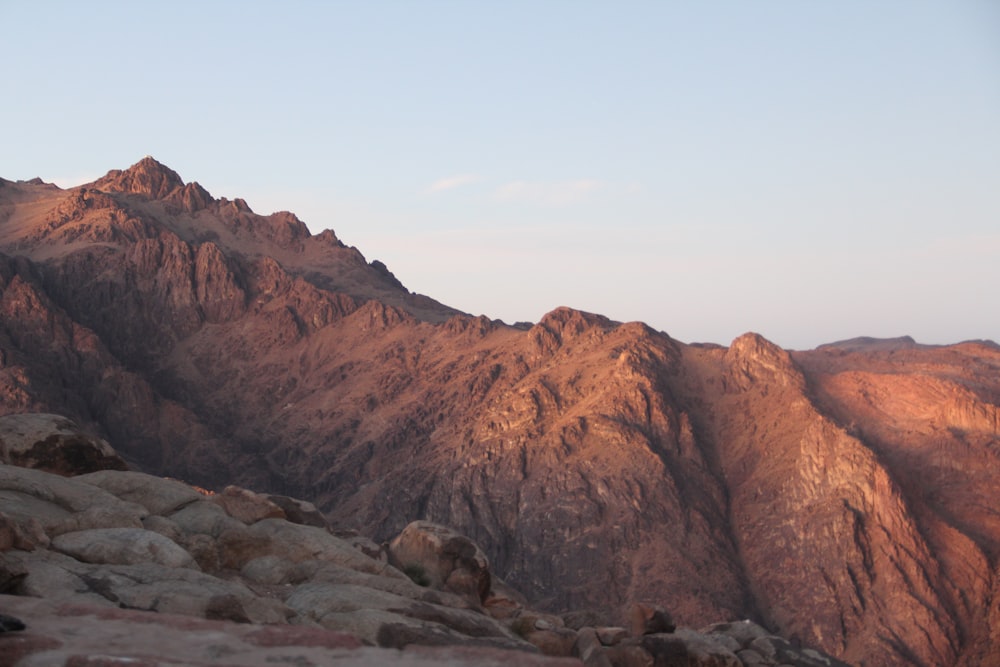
point(552, 193)
point(452, 182)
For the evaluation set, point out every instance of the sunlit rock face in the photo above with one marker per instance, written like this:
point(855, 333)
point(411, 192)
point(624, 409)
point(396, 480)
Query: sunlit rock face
point(843, 496)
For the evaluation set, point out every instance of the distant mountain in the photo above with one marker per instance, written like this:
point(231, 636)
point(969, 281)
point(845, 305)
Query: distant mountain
point(844, 496)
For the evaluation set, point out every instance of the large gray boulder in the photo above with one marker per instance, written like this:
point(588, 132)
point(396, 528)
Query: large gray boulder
point(158, 495)
point(296, 543)
point(247, 506)
point(62, 504)
point(123, 546)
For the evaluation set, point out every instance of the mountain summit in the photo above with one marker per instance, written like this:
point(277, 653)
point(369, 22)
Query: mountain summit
point(842, 497)
point(146, 177)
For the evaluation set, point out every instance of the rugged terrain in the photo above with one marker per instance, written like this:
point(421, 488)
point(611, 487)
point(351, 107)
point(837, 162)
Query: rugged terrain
point(843, 496)
point(116, 567)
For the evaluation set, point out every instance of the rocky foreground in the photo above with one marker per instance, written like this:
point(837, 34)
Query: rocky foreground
point(114, 567)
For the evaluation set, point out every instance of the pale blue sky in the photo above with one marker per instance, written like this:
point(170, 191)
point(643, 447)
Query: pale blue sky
point(808, 170)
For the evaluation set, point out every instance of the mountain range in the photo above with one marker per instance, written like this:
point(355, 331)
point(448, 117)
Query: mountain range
point(844, 497)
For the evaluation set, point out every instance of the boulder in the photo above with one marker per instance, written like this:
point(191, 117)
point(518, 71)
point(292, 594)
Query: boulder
point(589, 649)
point(446, 559)
point(122, 546)
point(163, 526)
point(68, 494)
point(322, 571)
point(247, 506)
point(646, 618)
point(298, 543)
point(204, 517)
point(26, 534)
point(22, 507)
point(583, 618)
point(54, 444)
point(271, 570)
point(157, 494)
point(119, 515)
point(299, 511)
point(610, 636)
point(554, 642)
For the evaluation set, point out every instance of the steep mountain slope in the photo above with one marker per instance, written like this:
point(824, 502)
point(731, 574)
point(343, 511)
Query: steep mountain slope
point(842, 496)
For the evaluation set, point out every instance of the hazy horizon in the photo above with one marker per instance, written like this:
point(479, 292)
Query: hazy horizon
point(811, 172)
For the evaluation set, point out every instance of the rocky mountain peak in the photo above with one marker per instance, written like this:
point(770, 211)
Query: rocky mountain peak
point(753, 359)
point(146, 177)
point(753, 346)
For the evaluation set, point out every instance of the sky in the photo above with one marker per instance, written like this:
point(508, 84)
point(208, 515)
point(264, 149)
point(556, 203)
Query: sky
point(811, 171)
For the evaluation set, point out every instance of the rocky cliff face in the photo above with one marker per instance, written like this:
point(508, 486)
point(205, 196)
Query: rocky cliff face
point(842, 496)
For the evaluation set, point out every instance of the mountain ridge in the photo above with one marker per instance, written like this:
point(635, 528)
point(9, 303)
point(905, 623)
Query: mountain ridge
point(840, 495)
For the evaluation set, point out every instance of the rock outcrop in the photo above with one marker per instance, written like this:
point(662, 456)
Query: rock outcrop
point(127, 540)
point(840, 497)
point(54, 444)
